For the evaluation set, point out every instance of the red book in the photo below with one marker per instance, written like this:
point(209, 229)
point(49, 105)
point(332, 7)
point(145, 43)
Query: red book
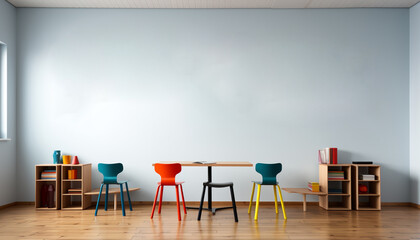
point(334, 155)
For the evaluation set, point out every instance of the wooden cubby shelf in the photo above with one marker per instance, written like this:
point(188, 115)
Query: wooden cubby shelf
point(76, 200)
point(372, 199)
point(335, 200)
point(39, 184)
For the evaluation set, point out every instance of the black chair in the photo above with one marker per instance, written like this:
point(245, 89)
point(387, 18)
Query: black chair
point(218, 185)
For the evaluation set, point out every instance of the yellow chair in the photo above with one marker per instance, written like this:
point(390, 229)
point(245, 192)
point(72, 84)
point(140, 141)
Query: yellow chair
point(269, 173)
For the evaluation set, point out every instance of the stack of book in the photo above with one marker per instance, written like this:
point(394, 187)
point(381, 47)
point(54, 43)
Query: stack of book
point(335, 190)
point(313, 186)
point(49, 174)
point(327, 156)
point(367, 177)
point(335, 175)
point(74, 190)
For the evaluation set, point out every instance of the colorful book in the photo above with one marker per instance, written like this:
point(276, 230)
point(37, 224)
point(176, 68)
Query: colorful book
point(313, 186)
point(49, 174)
point(336, 175)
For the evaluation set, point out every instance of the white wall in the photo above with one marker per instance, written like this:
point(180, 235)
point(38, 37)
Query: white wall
point(415, 103)
point(8, 148)
point(141, 86)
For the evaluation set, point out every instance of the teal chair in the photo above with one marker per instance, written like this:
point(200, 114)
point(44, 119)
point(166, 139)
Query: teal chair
point(269, 172)
point(110, 172)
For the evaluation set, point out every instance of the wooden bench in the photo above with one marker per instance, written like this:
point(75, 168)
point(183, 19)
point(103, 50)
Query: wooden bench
point(115, 191)
point(304, 192)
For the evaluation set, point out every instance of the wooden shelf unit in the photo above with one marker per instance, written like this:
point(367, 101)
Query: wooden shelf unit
point(78, 200)
point(372, 199)
point(39, 183)
point(335, 201)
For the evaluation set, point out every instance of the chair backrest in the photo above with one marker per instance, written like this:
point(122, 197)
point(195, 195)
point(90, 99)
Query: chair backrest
point(268, 172)
point(167, 172)
point(110, 171)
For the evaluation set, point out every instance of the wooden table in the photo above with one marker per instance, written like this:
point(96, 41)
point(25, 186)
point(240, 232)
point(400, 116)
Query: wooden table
point(304, 192)
point(209, 177)
point(114, 191)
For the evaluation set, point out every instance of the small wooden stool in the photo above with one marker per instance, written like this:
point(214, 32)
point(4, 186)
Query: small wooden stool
point(114, 191)
point(304, 192)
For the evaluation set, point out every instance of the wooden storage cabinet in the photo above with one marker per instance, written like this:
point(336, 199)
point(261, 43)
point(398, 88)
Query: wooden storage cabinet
point(335, 200)
point(372, 199)
point(74, 190)
point(39, 183)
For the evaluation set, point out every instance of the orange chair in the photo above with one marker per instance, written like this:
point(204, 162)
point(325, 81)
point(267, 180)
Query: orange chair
point(167, 174)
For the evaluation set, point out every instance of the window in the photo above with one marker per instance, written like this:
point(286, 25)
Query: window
point(3, 91)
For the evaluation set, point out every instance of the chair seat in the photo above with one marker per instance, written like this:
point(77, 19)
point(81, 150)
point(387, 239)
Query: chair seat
point(117, 182)
point(218, 185)
point(176, 184)
point(261, 183)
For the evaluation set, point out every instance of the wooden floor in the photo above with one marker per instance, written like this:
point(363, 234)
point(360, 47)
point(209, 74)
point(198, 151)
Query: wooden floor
point(23, 222)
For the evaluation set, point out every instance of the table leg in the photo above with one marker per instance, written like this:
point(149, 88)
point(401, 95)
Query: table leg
point(209, 179)
point(304, 202)
point(115, 202)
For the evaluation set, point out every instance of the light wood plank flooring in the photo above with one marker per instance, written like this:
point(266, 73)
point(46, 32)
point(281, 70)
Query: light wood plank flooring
point(23, 222)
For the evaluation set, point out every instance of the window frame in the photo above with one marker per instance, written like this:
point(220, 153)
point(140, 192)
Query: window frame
point(3, 92)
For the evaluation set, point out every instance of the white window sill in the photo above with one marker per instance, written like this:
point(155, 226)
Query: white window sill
point(5, 139)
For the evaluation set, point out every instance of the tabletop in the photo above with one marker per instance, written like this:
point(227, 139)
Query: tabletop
point(303, 191)
point(213, 164)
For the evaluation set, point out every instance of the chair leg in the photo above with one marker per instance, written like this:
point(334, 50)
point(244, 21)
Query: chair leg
point(177, 202)
point(154, 203)
point(252, 198)
point(233, 204)
point(275, 199)
point(183, 201)
point(258, 202)
point(106, 196)
point(282, 204)
point(122, 199)
point(128, 195)
point(160, 199)
point(99, 199)
point(201, 203)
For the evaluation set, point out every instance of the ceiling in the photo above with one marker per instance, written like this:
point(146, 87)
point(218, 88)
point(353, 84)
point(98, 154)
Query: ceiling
point(215, 3)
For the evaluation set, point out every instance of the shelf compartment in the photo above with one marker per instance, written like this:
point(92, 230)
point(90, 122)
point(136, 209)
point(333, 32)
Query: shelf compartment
point(67, 167)
point(369, 203)
point(339, 202)
point(71, 202)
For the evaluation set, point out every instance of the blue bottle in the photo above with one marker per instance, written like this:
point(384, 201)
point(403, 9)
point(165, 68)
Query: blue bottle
point(56, 156)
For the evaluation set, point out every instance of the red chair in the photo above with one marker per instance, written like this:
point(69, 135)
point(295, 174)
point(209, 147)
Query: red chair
point(167, 174)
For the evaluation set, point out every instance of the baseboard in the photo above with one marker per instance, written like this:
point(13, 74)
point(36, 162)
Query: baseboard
point(224, 203)
point(7, 205)
point(414, 205)
point(396, 204)
point(25, 203)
